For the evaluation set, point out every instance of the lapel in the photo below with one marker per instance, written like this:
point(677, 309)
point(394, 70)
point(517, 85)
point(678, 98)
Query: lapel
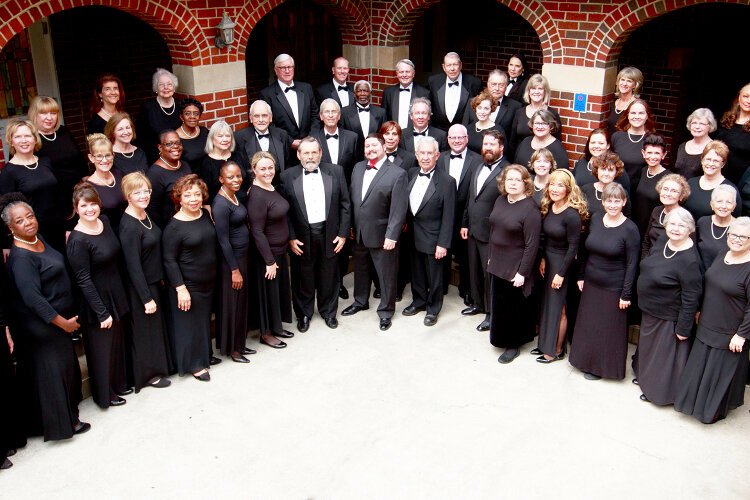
point(327, 189)
point(376, 179)
point(467, 164)
point(395, 100)
point(462, 98)
point(302, 105)
point(428, 193)
point(324, 146)
point(373, 121)
point(491, 177)
point(285, 104)
point(502, 109)
point(441, 98)
point(299, 191)
point(356, 183)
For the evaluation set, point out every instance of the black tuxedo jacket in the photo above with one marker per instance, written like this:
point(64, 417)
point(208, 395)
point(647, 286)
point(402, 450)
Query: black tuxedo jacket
point(516, 92)
point(279, 145)
point(380, 213)
point(391, 97)
point(403, 159)
point(327, 90)
point(347, 150)
point(282, 112)
point(350, 121)
point(407, 138)
point(479, 206)
point(472, 161)
point(338, 207)
point(505, 114)
point(432, 224)
point(470, 86)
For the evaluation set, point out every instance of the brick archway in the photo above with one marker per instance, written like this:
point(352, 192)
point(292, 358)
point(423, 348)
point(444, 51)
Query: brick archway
point(610, 35)
point(177, 25)
point(400, 17)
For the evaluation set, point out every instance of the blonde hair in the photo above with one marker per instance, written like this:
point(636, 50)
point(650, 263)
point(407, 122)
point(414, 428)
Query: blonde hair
point(574, 194)
point(13, 125)
point(542, 154)
point(97, 141)
point(44, 104)
point(133, 181)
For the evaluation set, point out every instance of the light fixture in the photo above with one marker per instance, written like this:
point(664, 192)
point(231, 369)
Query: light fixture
point(225, 30)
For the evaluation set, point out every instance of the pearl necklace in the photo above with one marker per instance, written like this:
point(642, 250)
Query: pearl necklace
point(36, 165)
point(105, 113)
point(662, 217)
point(588, 165)
point(188, 136)
point(150, 224)
point(163, 109)
point(651, 176)
point(619, 111)
point(664, 252)
point(54, 138)
point(169, 165)
point(515, 201)
point(114, 180)
point(598, 194)
point(234, 202)
point(190, 217)
point(132, 153)
point(721, 235)
point(36, 240)
point(635, 142)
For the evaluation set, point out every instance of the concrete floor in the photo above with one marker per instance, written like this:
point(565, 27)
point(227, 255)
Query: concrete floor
point(415, 412)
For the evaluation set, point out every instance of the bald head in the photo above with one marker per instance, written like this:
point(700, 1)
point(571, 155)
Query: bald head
point(458, 138)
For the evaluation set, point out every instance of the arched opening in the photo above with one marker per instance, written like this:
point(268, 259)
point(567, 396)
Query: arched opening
point(301, 28)
point(688, 62)
point(484, 42)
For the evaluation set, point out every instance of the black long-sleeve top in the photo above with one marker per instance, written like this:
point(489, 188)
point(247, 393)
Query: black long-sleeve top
point(631, 153)
point(525, 151)
point(136, 162)
point(66, 160)
point(151, 121)
point(39, 186)
point(670, 288)
point(161, 208)
point(189, 250)
point(584, 176)
point(267, 211)
point(738, 141)
point(194, 150)
point(594, 200)
point(231, 229)
point(646, 198)
point(654, 231)
point(94, 259)
point(726, 303)
point(209, 170)
point(141, 248)
point(515, 229)
point(709, 246)
point(610, 259)
point(699, 201)
point(687, 165)
point(562, 234)
point(520, 130)
point(113, 201)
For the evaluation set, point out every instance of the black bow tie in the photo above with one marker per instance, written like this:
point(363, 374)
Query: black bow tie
point(489, 166)
point(451, 84)
point(513, 80)
point(291, 87)
point(332, 136)
point(263, 136)
point(345, 88)
point(424, 133)
point(315, 171)
point(362, 110)
point(404, 90)
point(392, 157)
point(459, 155)
point(428, 174)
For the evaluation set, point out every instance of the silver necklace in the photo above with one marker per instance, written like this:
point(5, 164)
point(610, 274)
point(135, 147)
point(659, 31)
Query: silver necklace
point(36, 240)
point(721, 235)
point(639, 140)
point(164, 110)
point(234, 202)
point(665, 251)
point(47, 138)
point(188, 136)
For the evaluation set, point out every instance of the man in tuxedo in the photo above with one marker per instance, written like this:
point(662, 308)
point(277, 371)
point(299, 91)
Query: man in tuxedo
point(475, 227)
point(292, 103)
point(397, 98)
point(497, 82)
point(451, 92)
point(432, 199)
point(260, 136)
point(459, 163)
point(338, 88)
point(379, 203)
point(363, 118)
point(319, 222)
point(420, 113)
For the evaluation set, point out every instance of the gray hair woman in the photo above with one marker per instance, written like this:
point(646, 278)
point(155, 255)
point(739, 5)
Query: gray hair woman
point(536, 95)
point(700, 123)
point(673, 190)
point(220, 149)
point(712, 229)
point(159, 113)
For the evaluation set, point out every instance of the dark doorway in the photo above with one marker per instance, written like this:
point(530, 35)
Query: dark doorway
point(300, 28)
point(484, 35)
point(89, 41)
point(690, 58)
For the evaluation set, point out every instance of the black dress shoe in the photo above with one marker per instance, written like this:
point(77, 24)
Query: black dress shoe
point(544, 360)
point(376, 293)
point(471, 311)
point(536, 351)
point(285, 334)
point(203, 377)
point(385, 323)
point(430, 320)
point(484, 326)
point(82, 428)
point(214, 361)
point(125, 392)
point(240, 359)
point(118, 401)
point(468, 301)
point(332, 322)
point(303, 324)
point(591, 376)
point(161, 383)
point(343, 293)
point(508, 356)
point(354, 309)
point(10, 453)
point(280, 345)
point(247, 350)
point(411, 310)
point(399, 297)
point(7, 464)
point(644, 398)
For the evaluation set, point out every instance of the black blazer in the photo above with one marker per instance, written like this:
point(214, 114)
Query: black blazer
point(505, 114)
point(347, 150)
point(391, 97)
point(432, 224)
point(516, 92)
point(407, 138)
point(404, 159)
point(479, 207)
point(470, 86)
point(327, 90)
point(338, 206)
point(350, 121)
point(472, 161)
point(280, 145)
point(282, 112)
point(382, 212)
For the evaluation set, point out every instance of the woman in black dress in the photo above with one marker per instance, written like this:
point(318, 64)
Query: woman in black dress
point(606, 168)
point(672, 190)
point(714, 378)
point(515, 225)
point(536, 98)
point(564, 211)
point(483, 105)
point(627, 142)
point(106, 100)
point(129, 158)
point(194, 136)
point(220, 148)
point(230, 217)
point(43, 302)
point(267, 211)
point(32, 176)
point(609, 262)
point(57, 144)
point(646, 197)
point(167, 169)
point(713, 159)
point(669, 290)
point(712, 229)
point(106, 180)
point(158, 114)
point(544, 127)
point(141, 247)
point(597, 144)
point(93, 253)
point(629, 85)
point(541, 165)
point(735, 133)
point(700, 123)
point(517, 77)
point(189, 246)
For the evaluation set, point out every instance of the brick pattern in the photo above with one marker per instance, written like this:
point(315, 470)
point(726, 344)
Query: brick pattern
point(228, 105)
point(576, 126)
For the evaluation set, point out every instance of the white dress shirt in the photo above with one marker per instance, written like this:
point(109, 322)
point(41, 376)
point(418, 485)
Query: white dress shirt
point(456, 165)
point(343, 94)
point(333, 146)
point(264, 142)
point(419, 189)
point(452, 97)
point(370, 175)
point(291, 97)
point(404, 100)
point(315, 196)
point(364, 119)
point(415, 131)
point(493, 115)
point(484, 172)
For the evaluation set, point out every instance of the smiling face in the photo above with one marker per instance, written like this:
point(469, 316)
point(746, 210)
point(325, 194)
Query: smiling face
point(426, 155)
point(699, 127)
point(541, 166)
point(541, 128)
point(420, 115)
point(653, 155)
point(190, 116)
point(677, 231)
point(23, 141)
point(497, 84)
point(536, 95)
point(165, 87)
point(285, 71)
point(515, 67)
point(712, 163)
point(88, 211)
point(330, 115)
point(626, 86)
point(606, 174)
point(102, 158)
point(738, 238)
point(170, 147)
point(264, 170)
point(362, 94)
point(46, 122)
point(723, 205)
point(452, 67)
point(491, 149)
point(140, 197)
point(557, 191)
point(637, 115)
point(124, 131)
point(222, 141)
point(231, 178)
point(110, 93)
point(374, 150)
point(670, 193)
point(613, 206)
point(405, 74)
point(598, 144)
point(514, 185)
point(744, 99)
point(340, 70)
point(191, 198)
point(457, 139)
point(484, 109)
point(391, 139)
point(260, 118)
point(23, 223)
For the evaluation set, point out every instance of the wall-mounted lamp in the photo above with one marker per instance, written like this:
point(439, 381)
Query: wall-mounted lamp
point(225, 32)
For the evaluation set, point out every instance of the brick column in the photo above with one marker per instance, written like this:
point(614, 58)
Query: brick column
point(375, 63)
point(222, 89)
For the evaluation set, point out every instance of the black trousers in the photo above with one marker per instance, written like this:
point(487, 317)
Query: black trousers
point(343, 260)
point(315, 274)
point(478, 277)
point(427, 281)
point(385, 263)
point(460, 254)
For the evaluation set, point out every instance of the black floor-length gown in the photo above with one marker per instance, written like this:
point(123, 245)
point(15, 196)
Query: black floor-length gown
point(162, 208)
point(12, 435)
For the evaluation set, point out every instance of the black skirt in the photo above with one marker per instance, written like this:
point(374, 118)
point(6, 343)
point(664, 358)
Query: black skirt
point(105, 358)
point(149, 342)
point(512, 320)
point(274, 297)
point(232, 307)
point(190, 331)
point(553, 301)
point(12, 435)
point(661, 359)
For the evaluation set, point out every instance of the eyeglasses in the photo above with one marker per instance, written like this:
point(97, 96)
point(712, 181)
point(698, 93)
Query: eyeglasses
point(457, 137)
point(285, 68)
point(738, 237)
point(541, 124)
point(165, 86)
point(173, 144)
point(671, 191)
point(142, 192)
point(101, 158)
point(713, 161)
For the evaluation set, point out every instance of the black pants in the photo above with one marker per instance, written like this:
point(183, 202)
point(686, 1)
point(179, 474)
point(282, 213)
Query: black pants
point(458, 253)
point(480, 281)
point(385, 263)
point(427, 281)
point(314, 273)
